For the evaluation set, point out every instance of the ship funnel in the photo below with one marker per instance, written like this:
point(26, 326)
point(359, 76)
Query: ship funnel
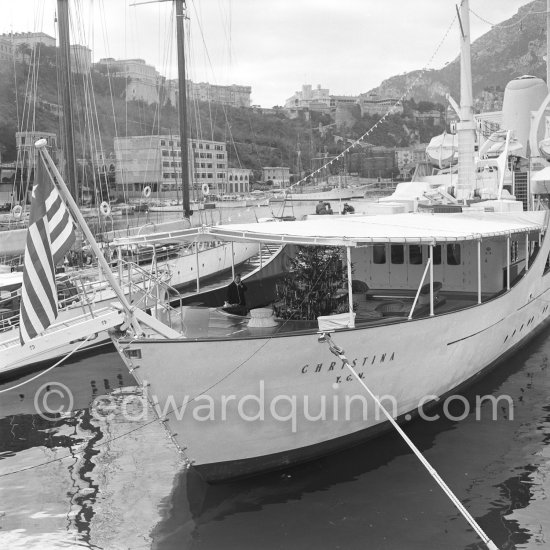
point(522, 96)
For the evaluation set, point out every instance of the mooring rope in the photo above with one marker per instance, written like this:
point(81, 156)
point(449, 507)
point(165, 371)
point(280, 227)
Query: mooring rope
point(339, 352)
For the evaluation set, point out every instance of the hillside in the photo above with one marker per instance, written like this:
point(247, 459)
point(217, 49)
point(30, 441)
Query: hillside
point(513, 48)
point(253, 139)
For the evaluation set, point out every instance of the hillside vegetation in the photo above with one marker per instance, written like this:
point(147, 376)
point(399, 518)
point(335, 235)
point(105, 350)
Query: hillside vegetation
point(29, 100)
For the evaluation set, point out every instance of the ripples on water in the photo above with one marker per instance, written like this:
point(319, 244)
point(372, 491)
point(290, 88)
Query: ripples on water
point(118, 490)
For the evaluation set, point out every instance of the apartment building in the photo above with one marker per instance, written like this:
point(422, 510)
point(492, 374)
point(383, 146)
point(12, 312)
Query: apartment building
point(155, 161)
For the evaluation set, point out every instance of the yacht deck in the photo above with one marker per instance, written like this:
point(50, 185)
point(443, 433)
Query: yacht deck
point(198, 322)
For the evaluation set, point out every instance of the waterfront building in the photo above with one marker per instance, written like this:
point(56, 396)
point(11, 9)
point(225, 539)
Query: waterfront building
point(279, 175)
point(155, 161)
point(27, 153)
point(238, 181)
point(407, 158)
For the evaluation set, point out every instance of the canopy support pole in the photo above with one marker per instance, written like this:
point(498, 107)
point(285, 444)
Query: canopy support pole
point(479, 271)
point(508, 262)
point(526, 252)
point(350, 289)
point(418, 289)
point(197, 265)
point(431, 280)
point(261, 259)
point(233, 261)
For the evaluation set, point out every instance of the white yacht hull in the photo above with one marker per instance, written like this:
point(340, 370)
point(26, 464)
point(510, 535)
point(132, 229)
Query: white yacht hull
point(336, 194)
point(414, 362)
point(239, 203)
point(186, 268)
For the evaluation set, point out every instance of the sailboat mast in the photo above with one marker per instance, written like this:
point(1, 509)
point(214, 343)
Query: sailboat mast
point(547, 43)
point(65, 82)
point(466, 127)
point(182, 104)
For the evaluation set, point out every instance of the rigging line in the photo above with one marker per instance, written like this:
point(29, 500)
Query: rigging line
point(388, 112)
point(74, 350)
point(339, 352)
point(502, 25)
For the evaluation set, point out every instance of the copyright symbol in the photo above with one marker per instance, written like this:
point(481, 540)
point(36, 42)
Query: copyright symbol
point(52, 399)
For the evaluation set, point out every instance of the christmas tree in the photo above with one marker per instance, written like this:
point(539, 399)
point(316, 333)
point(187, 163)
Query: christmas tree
point(315, 284)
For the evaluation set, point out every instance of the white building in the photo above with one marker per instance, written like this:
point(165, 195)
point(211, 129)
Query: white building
point(155, 161)
point(27, 153)
point(81, 59)
point(279, 175)
point(6, 49)
point(406, 159)
point(234, 95)
point(29, 38)
point(238, 181)
point(144, 81)
point(373, 104)
point(317, 99)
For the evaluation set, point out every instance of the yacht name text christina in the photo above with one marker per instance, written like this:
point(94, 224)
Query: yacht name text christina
point(308, 369)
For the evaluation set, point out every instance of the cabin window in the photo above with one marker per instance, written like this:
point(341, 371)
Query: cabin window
point(415, 254)
point(397, 253)
point(437, 254)
point(379, 254)
point(453, 254)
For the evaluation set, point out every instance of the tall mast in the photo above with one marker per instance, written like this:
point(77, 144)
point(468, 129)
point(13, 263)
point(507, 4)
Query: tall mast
point(466, 126)
point(182, 104)
point(547, 43)
point(65, 82)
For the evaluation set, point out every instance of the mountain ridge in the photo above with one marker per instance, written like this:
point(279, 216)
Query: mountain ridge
point(520, 42)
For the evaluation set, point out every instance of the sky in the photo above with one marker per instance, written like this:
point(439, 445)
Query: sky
point(274, 46)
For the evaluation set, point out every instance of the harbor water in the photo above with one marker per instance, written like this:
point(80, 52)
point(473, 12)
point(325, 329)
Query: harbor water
point(97, 478)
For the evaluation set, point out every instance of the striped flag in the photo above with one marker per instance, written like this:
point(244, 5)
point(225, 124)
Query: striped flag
point(50, 236)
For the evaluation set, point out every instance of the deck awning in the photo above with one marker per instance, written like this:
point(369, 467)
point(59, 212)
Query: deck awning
point(392, 228)
point(356, 231)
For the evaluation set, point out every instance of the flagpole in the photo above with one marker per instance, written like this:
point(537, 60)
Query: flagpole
point(69, 200)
